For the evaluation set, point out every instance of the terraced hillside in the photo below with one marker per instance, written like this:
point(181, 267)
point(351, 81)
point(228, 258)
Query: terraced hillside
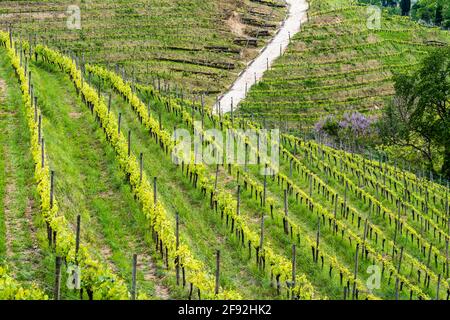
point(322, 226)
point(191, 45)
point(340, 62)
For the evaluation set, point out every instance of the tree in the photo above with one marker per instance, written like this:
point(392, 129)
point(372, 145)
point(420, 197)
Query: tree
point(419, 116)
point(439, 16)
point(405, 5)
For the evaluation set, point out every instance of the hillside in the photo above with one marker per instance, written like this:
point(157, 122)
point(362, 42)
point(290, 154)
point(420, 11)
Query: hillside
point(353, 200)
point(337, 64)
point(192, 45)
point(96, 184)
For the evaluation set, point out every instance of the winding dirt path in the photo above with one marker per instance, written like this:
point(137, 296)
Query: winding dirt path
point(255, 70)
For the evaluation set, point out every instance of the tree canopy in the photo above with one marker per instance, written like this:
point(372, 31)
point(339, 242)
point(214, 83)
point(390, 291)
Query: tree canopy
point(419, 116)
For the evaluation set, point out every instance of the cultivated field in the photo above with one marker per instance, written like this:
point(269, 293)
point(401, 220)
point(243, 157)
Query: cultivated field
point(340, 62)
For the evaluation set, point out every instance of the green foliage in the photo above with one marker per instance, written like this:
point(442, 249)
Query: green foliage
point(433, 11)
point(405, 5)
point(97, 278)
point(156, 214)
point(10, 289)
point(419, 117)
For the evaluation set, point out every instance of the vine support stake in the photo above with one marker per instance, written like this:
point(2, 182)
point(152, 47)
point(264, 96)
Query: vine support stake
point(355, 274)
point(133, 278)
point(216, 290)
point(52, 187)
point(155, 199)
point(77, 239)
point(141, 165)
point(129, 142)
point(398, 271)
point(265, 184)
point(118, 122)
point(57, 287)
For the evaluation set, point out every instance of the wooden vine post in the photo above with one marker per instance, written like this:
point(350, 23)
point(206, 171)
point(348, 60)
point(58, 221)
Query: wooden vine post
point(77, 238)
point(133, 278)
point(141, 165)
point(57, 287)
point(109, 102)
point(216, 290)
point(155, 198)
point(355, 274)
point(398, 271)
point(129, 142)
point(285, 221)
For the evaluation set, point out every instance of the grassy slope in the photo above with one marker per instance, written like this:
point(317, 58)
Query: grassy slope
point(72, 125)
point(110, 227)
point(199, 227)
point(274, 235)
point(336, 64)
point(87, 182)
point(19, 228)
point(189, 43)
point(332, 243)
point(249, 207)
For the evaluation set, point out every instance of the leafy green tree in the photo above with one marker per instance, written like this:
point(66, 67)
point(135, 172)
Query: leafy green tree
point(419, 116)
point(439, 14)
point(405, 5)
point(432, 11)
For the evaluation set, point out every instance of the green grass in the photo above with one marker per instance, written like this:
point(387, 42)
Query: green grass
point(249, 207)
point(88, 181)
point(200, 227)
point(342, 71)
point(333, 243)
point(20, 231)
